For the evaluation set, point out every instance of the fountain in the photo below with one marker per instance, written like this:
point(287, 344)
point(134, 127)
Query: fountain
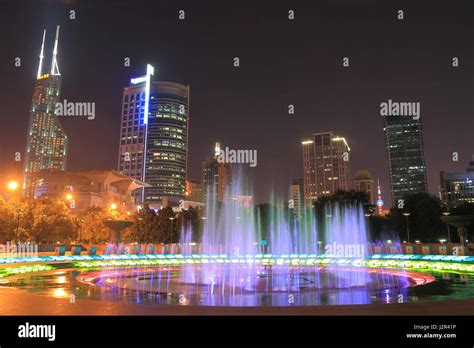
point(307, 260)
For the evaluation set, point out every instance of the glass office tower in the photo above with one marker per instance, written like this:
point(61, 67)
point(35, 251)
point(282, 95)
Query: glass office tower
point(404, 145)
point(155, 117)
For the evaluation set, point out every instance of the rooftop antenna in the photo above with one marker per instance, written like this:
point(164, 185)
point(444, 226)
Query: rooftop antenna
point(41, 56)
point(54, 63)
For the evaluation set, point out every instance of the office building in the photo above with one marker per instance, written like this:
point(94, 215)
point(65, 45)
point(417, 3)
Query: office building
point(457, 187)
point(297, 197)
point(404, 145)
point(154, 138)
point(326, 166)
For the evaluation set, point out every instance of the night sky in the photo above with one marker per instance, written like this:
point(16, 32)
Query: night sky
point(282, 62)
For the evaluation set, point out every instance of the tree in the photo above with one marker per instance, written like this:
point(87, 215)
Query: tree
point(192, 219)
point(15, 220)
point(168, 228)
point(342, 197)
point(145, 226)
point(92, 227)
point(424, 221)
point(51, 221)
point(7, 221)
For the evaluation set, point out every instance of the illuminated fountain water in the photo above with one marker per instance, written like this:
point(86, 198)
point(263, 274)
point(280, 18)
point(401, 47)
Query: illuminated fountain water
point(231, 228)
point(230, 266)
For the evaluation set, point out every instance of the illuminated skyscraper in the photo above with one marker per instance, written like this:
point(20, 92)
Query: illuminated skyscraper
point(404, 144)
point(309, 175)
point(46, 147)
point(216, 178)
point(155, 117)
point(297, 197)
point(326, 165)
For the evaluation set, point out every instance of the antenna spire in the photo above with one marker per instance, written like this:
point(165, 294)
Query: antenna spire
point(54, 63)
point(41, 55)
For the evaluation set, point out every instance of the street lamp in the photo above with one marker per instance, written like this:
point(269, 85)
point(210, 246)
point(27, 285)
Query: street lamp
point(12, 185)
point(70, 199)
point(408, 229)
point(446, 213)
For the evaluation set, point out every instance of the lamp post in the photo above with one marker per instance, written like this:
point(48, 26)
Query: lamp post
point(446, 213)
point(408, 229)
point(112, 209)
point(171, 231)
point(12, 186)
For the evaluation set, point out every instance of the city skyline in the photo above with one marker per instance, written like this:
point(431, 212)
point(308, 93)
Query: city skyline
point(273, 158)
point(245, 116)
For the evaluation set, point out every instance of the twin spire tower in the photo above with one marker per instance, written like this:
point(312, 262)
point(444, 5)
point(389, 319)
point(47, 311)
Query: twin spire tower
point(54, 62)
point(46, 148)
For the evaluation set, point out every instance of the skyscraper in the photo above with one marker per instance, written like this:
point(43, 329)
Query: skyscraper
point(363, 182)
point(297, 196)
point(404, 145)
point(309, 175)
point(46, 147)
point(154, 122)
point(216, 178)
point(326, 165)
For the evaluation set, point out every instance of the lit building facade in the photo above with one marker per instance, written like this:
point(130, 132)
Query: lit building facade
point(154, 138)
point(47, 142)
point(363, 182)
point(404, 145)
point(81, 190)
point(326, 166)
point(297, 196)
point(216, 178)
point(194, 191)
point(309, 175)
point(457, 188)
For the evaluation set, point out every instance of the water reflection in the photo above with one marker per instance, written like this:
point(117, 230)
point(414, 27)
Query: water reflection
point(456, 286)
